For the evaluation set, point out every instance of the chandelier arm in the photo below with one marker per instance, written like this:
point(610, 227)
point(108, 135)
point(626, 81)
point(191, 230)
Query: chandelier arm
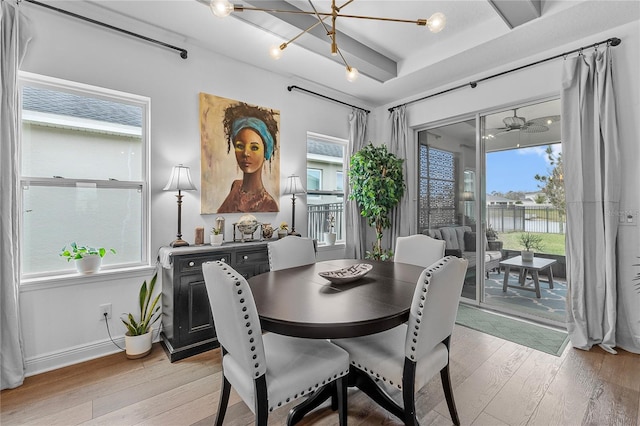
point(332, 33)
point(421, 22)
point(306, 31)
point(259, 9)
point(340, 7)
point(344, 60)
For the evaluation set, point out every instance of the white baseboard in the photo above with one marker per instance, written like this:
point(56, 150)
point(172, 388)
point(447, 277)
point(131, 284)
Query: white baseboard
point(74, 355)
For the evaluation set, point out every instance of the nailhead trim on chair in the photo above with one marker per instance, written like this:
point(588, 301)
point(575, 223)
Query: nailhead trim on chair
point(310, 390)
point(423, 297)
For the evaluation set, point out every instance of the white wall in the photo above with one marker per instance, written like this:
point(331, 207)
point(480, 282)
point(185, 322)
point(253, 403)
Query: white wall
point(543, 81)
point(60, 318)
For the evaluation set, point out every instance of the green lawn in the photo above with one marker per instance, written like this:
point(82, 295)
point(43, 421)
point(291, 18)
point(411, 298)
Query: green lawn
point(552, 243)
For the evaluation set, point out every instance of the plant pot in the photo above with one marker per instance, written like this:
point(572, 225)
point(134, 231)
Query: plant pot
point(527, 256)
point(216, 239)
point(89, 264)
point(329, 238)
point(282, 233)
point(138, 346)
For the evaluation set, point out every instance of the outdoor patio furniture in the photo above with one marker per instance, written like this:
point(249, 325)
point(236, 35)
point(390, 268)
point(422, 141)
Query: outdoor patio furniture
point(532, 268)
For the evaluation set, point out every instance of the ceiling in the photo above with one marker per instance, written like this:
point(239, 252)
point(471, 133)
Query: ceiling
point(397, 61)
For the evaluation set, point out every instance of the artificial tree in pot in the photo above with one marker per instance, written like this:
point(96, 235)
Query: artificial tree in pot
point(377, 185)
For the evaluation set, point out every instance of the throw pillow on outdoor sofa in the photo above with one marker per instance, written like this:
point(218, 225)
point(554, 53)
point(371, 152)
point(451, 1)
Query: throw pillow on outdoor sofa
point(470, 241)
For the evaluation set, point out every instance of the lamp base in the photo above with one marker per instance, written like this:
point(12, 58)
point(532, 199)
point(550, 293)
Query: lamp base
point(179, 243)
point(294, 233)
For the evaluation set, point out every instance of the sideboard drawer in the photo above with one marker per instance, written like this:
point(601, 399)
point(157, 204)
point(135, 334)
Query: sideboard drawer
point(193, 264)
point(250, 257)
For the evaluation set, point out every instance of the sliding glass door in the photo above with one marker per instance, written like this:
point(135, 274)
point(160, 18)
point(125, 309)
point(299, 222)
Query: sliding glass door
point(524, 206)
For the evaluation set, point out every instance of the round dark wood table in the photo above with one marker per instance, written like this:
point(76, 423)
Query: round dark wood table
point(298, 302)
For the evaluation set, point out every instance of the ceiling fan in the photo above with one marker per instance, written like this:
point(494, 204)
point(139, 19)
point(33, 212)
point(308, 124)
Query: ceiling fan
point(516, 123)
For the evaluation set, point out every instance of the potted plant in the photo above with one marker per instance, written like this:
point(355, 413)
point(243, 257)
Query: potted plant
point(282, 230)
point(330, 235)
point(88, 259)
point(138, 338)
point(216, 236)
point(377, 185)
point(530, 242)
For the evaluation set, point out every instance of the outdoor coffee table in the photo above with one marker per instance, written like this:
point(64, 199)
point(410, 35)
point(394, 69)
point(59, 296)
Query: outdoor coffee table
point(532, 268)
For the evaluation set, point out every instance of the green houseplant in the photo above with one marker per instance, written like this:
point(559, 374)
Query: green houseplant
point(530, 242)
point(377, 185)
point(88, 259)
point(138, 336)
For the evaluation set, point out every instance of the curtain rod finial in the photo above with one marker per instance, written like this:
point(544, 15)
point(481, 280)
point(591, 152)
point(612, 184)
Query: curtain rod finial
point(615, 41)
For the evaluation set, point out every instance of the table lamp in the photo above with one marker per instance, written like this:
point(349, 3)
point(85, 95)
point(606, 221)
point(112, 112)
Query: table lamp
point(180, 180)
point(293, 187)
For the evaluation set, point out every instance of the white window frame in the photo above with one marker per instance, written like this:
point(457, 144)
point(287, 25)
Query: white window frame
point(52, 83)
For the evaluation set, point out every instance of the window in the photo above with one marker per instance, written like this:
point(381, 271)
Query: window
point(83, 174)
point(325, 184)
point(314, 179)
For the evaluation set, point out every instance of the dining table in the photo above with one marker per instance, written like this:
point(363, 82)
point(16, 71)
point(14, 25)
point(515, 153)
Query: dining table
point(299, 302)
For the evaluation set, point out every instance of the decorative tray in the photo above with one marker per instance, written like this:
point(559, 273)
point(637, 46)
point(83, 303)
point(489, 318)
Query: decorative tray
point(345, 275)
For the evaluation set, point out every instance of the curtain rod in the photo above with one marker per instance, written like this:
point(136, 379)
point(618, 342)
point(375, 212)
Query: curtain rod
point(183, 52)
point(290, 88)
point(614, 41)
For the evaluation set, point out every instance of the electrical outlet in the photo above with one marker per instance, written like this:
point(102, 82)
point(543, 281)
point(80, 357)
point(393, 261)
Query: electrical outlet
point(105, 309)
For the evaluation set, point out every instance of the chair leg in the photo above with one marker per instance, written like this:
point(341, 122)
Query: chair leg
point(262, 401)
point(448, 394)
point(408, 393)
point(341, 388)
point(224, 401)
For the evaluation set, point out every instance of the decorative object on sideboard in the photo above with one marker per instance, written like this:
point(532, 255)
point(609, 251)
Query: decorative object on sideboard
point(283, 230)
point(199, 236)
point(330, 235)
point(223, 8)
point(530, 242)
point(267, 231)
point(247, 226)
point(293, 187)
point(180, 180)
point(216, 237)
point(87, 259)
point(138, 338)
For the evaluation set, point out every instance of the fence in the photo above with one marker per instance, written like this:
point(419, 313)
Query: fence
point(509, 218)
point(318, 215)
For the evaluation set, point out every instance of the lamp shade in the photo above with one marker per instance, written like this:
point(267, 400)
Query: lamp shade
point(468, 196)
point(294, 185)
point(180, 179)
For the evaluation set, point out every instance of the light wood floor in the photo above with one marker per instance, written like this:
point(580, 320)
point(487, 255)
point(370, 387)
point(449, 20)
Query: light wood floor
point(496, 382)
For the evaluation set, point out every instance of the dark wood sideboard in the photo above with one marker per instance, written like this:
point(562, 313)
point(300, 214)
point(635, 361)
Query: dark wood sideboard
point(187, 323)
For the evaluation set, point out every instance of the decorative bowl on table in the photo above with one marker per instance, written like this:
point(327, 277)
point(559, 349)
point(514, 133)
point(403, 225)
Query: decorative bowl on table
point(348, 274)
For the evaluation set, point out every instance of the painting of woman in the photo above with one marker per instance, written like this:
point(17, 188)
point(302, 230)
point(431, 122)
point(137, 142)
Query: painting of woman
point(251, 133)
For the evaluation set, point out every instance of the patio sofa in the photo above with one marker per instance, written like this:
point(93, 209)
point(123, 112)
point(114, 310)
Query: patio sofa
point(461, 242)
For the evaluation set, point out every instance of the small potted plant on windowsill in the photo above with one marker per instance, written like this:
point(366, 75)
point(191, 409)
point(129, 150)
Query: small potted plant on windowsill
point(530, 242)
point(87, 259)
point(282, 230)
point(330, 235)
point(138, 338)
point(216, 237)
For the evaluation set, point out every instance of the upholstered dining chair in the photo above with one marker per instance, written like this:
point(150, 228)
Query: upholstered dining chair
point(419, 249)
point(405, 358)
point(271, 370)
point(291, 251)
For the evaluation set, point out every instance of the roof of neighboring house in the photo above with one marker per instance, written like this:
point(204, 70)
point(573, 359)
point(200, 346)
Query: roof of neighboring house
point(498, 199)
point(61, 103)
point(323, 148)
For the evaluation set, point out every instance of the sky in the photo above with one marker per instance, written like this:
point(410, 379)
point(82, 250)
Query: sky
point(514, 170)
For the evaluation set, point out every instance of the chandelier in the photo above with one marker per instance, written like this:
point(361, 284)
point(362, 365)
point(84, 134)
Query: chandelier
point(223, 8)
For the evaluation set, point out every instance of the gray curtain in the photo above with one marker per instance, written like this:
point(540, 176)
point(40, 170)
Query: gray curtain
point(399, 141)
point(592, 186)
point(355, 226)
point(13, 44)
